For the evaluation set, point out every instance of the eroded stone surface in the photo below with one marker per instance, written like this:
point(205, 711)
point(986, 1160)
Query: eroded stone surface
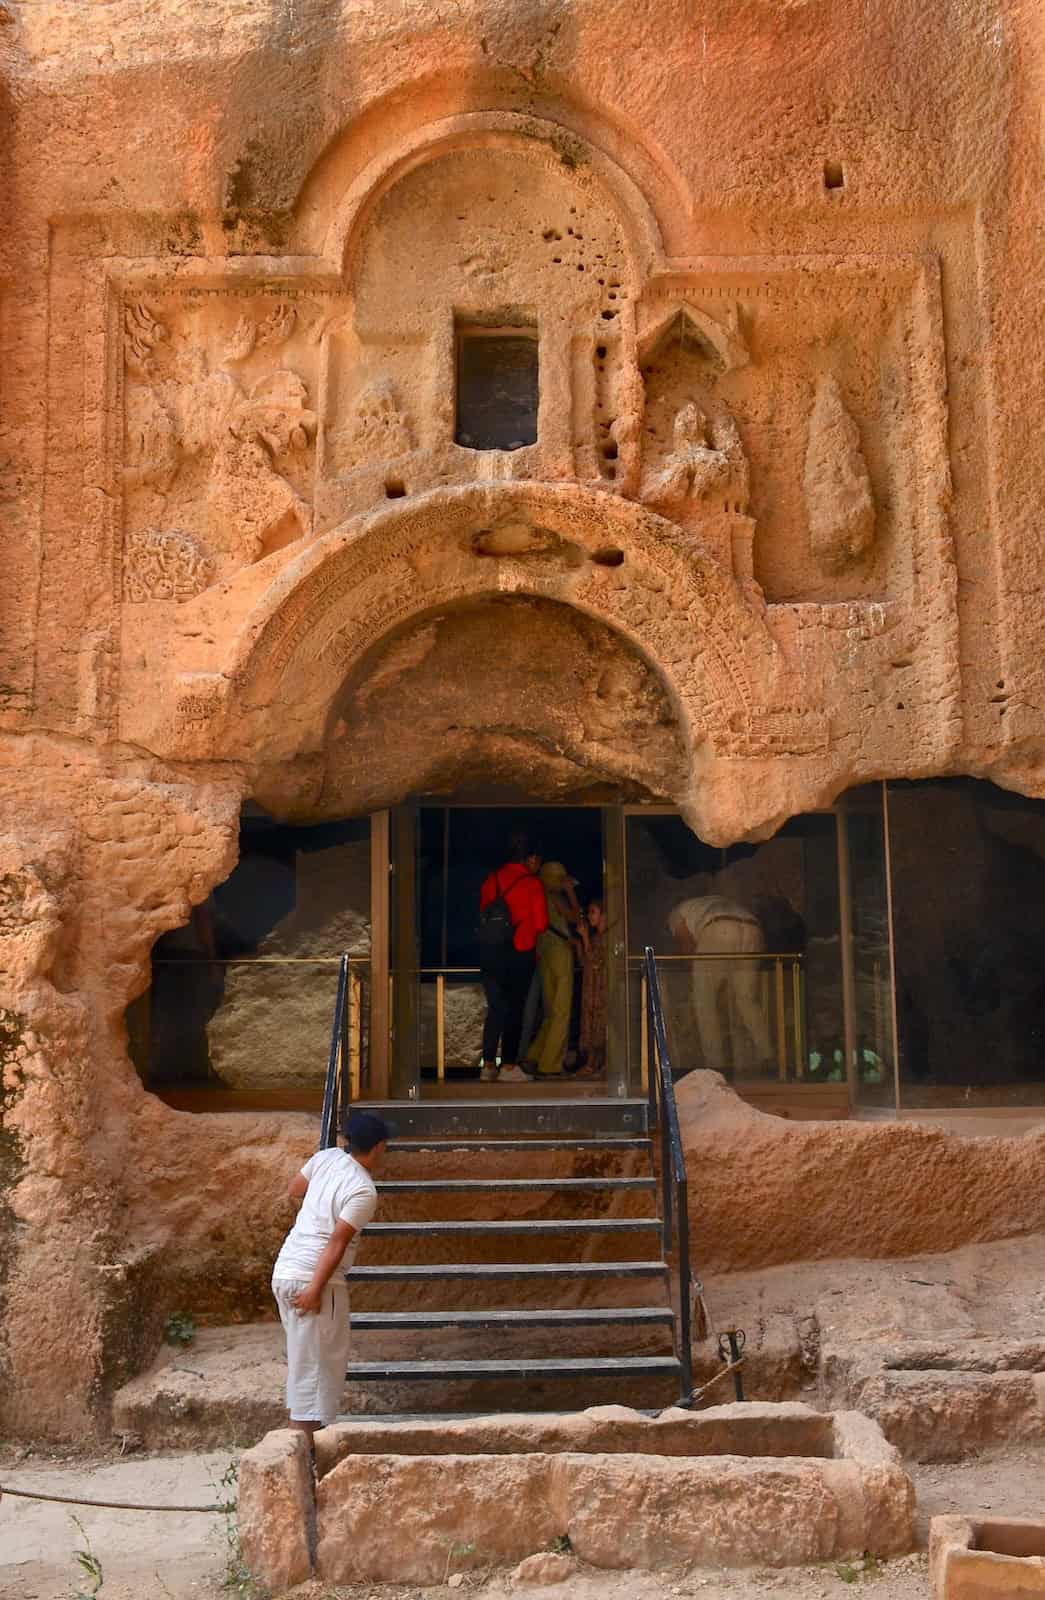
point(233, 494)
point(549, 1566)
point(868, 1189)
point(274, 1512)
point(624, 1509)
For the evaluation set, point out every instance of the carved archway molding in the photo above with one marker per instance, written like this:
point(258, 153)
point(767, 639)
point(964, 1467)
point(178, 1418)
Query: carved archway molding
point(611, 559)
point(526, 136)
point(338, 194)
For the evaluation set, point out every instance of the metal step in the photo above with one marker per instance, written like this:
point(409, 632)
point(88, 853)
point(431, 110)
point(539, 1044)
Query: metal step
point(578, 1317)
point(511, 1185)
point(597, 1225)
point(586, 1117)
point(443, 1146)
point(470, 1371)
point(510, 1269)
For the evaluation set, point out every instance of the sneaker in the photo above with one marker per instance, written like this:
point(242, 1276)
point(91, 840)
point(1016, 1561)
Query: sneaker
point(514, 1075)
point(488, 1075)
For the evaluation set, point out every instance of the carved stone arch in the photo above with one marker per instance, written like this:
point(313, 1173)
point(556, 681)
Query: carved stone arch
point(725, 340)
point(328, 206)
point(526, 136)
point(613, 560)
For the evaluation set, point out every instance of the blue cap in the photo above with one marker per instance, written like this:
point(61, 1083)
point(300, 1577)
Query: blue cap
point(365, 1130)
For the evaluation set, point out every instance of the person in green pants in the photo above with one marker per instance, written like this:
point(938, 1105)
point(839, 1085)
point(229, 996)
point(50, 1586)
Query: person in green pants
point(555, 966)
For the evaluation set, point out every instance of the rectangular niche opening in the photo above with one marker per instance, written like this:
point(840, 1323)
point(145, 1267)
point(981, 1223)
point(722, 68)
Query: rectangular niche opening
point(497, 384)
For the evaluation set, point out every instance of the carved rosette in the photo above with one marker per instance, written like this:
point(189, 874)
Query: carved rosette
point(164, 566)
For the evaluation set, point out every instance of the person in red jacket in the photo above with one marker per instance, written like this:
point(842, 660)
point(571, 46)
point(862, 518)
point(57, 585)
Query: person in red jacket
point(507, 973)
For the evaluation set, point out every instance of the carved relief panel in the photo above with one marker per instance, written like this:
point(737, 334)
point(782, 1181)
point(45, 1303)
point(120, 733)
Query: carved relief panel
point(496, 240)
point(219, 433)
point(779, 419)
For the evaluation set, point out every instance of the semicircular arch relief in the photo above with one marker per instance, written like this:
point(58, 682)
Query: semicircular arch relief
point(512, 135)
point(337, 195)
point(613, 560)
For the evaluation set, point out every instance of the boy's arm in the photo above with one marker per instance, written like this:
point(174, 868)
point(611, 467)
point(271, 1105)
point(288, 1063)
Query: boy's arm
point(309, 1298)
point(299, 1182)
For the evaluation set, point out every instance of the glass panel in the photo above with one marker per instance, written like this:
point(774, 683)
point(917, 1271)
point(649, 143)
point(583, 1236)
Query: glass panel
point(968, 863)
point(621, 1078)
point(748, 945)
point(459, 846)
point(872, 1078)
point(242, 997)
point(229, 1035)
point(404, 946)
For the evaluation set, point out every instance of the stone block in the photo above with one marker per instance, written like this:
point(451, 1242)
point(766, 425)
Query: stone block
point(978, 1559)
point(545, 1567)
point(627, 1491)
point(275, 1514)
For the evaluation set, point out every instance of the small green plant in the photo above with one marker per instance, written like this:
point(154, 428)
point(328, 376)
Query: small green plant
point(237, 1579)
point(90, 1567)
point(179, 1329)
point(868, 1566)
point(456, 1549)
point(561, 1545)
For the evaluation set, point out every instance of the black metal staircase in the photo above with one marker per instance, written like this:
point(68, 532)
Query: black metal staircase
point(608, 1243)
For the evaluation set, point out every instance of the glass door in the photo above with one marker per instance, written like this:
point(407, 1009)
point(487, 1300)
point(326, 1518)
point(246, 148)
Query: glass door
point(865, 903)
point(404, 954)
point(614, 878)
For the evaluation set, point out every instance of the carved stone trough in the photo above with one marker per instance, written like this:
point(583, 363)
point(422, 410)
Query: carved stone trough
point(978, 1558)
point(735, 1485)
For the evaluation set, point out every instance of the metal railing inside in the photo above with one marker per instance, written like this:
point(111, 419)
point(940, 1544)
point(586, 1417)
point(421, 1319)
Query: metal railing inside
point(739, 1013)
point(663, 1113)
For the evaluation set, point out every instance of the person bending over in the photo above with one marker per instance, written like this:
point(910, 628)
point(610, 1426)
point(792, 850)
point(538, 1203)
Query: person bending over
point(338, 1198)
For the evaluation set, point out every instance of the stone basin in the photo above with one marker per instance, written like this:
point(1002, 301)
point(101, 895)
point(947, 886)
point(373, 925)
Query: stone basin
point(735, 1485)
point(976, 1558)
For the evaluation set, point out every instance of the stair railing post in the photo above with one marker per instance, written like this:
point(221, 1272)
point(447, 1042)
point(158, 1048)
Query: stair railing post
point(684, 1352)
point(330, 1120)
point(650, 1046)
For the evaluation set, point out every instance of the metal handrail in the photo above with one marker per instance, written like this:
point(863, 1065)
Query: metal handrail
point(674, 1188)
point(726, 955)
point(334, 1103)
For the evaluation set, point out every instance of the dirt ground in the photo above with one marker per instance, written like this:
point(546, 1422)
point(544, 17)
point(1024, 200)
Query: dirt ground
point(178, 1555)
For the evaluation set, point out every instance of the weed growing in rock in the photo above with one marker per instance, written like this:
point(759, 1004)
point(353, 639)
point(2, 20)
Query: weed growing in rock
point(179, 1329)
point(868, 1566)
point(90, 1567)
point(237, 1579)
point(454, 1550)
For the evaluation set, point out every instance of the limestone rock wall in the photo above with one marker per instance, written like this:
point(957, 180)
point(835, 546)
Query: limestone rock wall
point(273, 1024)
point(239, 244)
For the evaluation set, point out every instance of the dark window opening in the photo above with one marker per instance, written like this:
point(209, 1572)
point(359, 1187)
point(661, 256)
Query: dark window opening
point(834, 175)
point(238, 1012)
point(497, 388)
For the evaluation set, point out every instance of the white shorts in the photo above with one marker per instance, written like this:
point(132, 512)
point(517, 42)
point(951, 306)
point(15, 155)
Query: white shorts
point(317, 1349)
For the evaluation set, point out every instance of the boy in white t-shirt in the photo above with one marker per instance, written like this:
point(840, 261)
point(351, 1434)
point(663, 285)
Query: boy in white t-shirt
point(338, 1198)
